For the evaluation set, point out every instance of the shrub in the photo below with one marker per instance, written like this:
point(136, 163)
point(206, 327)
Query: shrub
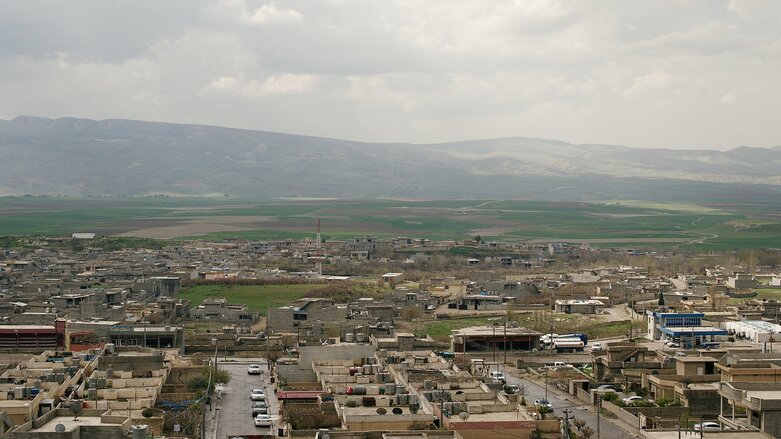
point(643, 403)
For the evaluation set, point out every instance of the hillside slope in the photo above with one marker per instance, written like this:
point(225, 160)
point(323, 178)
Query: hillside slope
point(124, 157)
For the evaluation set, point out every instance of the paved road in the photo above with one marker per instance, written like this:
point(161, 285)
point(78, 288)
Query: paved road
point(232, 411)
point(579, 410)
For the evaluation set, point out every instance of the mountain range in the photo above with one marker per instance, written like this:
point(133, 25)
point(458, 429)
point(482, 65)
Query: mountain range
point(69, 156)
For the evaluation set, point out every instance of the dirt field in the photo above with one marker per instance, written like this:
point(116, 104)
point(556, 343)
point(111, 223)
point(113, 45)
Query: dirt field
point(194, 226)
point(611, 240)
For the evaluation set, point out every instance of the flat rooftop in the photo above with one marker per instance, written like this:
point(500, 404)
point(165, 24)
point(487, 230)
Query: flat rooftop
point(517, 415)
point(766, 395)
point(696, 359)
point(689, 330)
point(493, 330)
point(70, 424)
point(579, 302)
point(14, 403)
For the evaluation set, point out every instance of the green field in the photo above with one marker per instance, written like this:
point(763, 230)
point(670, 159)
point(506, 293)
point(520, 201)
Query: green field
point(762, 293)
point(258, 298)
point(724, 226)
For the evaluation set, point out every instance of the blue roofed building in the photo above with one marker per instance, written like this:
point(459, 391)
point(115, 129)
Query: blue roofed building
point(685, 328)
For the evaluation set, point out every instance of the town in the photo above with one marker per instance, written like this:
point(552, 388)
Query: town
point(374, 337)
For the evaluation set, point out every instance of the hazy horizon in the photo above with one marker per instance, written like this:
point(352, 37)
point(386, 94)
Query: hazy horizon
point(379, 142)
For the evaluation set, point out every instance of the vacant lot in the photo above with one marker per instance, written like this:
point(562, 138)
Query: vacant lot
point(258, 298)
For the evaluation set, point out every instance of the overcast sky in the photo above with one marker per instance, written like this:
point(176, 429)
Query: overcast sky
point(674, 74)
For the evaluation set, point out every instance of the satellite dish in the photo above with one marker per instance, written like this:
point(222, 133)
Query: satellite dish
point(464, 415)
point(397, 411)
point(152, 412)
point(381, 411)
point(59, 428)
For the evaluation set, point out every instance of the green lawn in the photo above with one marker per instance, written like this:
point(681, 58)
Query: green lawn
point(440, 329)
point(258, 298)
point(762, 293)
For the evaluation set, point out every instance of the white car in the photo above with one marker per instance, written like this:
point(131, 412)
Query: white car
point(543, 403)
point(262, 421)
point(707, 426)
point(257, 395)
point(498, 376)
point(672, 344)
point(253, 369)
point(629, 400)
point(607, 388)
point(596, 346)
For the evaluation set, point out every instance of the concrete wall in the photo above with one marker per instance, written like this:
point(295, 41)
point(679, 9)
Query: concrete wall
point(136, 363)
point(621, 413)
point(384, 422)
point(508, 429)
point(308, 354)
point(702, 402)
point(293, 373)
point(342, 434)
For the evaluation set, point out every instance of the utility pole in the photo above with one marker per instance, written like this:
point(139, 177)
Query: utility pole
point(566, 423)
point(493, 340)
point(203, 422)
point(546, 383)
point(212, 368)
point(505, 341)
point(599, 409)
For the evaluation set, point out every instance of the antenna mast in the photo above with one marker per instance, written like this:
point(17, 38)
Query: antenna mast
point(319, 253)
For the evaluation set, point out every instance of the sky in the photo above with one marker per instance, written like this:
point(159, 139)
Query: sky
point(657, 74)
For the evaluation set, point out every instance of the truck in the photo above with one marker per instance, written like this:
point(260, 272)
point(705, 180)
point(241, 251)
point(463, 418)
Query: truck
point(549, 339)
point(569, 344)
point(581, 336)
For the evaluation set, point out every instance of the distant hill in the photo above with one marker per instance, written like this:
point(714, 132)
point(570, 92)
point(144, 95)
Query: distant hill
point(124, 157)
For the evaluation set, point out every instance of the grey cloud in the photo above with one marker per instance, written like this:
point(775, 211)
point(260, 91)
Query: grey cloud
point(677, 74)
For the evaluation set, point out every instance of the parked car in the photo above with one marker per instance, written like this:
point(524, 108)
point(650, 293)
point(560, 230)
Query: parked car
point(543, 403)
point(596, 346)
point(262, 421)
point(259, 408)
point(707, 426)
point(253, 369)
point(629, 400)
point(257, 394)
point(672, 344)
point(607, 388)
point(512, 389)
point(497, 376)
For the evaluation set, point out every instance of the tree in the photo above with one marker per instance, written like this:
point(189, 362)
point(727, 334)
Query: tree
point(411, 312)
point(478, 239)
point(661, 298)
point(304, 416)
